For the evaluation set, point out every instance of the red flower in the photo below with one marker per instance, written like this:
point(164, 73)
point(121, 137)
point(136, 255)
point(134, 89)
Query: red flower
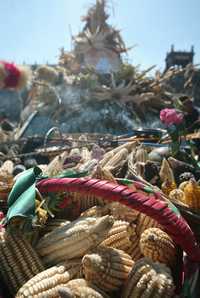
point(12, 75)
point(170, 117)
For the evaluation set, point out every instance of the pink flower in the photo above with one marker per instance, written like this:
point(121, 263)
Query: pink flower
point(170, 117)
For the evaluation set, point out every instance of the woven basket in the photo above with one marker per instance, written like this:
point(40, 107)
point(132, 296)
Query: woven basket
point(152, 205)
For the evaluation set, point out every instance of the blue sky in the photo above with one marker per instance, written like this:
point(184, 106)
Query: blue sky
point(34, 30)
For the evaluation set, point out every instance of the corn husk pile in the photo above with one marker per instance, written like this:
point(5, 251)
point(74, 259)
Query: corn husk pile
point(80, 97)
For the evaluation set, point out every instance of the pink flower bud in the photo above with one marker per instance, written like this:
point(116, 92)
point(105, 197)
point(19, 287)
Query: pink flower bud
point(170, 117)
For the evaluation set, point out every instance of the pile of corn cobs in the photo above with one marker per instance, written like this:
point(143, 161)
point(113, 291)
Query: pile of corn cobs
point(92, 248)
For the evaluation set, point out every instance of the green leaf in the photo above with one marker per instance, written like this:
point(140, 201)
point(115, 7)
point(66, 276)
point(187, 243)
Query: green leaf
point(21, 200)
point(24, 206)
point(23, 183)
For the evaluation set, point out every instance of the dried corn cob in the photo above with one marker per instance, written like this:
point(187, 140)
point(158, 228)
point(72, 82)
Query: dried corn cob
point(85, 155)
point(115, 161)
point(130, 146)
point(148, 279)
point(158, 246)
point(103, 174)
point(139, 168)
point(166, 173)
point(80, 288)
point(46, 283)
point(168, 186)
point(106, 158)
point(182, 185)
point(122, 212)
point(7, 168)
point(141, 155)
point(107, 268)
point(19, 262)
point(119, 236)
point(144, 222)
point(134, 250)
point(192, 194)
point(131, 161)
point(177, 195)
point(74, 239)
point(88, 166)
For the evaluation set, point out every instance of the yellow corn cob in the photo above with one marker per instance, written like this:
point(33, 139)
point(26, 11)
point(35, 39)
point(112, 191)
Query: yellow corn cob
point(73, 240)
point(168, 186)
point(46, 283)
point(166, 173)
point(177, 195)
point(158, 246)
point(108, 268)
point(192, 194)
point(80, 288)
point(148, 279)
point(183, 185)
point(19, 262)
point(119, 236)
